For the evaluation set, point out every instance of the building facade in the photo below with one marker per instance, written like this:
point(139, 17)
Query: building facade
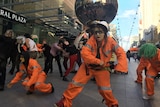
point(149, 20)
point(42, 16)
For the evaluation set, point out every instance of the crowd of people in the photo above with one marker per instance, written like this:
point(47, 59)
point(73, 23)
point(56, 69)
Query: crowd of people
point(93, 55)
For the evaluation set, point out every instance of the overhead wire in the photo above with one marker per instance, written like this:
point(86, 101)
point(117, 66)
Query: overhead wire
point(119, 30)
point(132, 26)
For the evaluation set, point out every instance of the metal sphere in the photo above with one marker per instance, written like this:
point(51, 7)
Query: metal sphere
point(90, 10)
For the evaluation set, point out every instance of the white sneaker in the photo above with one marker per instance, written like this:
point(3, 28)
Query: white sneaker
point(146, 97)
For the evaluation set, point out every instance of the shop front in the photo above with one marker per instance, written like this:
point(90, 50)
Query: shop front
point(9, 18)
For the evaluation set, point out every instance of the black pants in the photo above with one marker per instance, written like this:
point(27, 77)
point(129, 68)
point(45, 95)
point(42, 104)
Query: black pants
point(57, 58)
point(3, 63)
point(65, 60)
point(48, 64)
point(79, 61)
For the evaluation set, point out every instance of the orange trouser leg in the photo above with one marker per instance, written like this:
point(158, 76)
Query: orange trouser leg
point(76, 86)
point(150, 85)
point(139, 76)
point(40, 84)
point(151, 73)
point(103, 82)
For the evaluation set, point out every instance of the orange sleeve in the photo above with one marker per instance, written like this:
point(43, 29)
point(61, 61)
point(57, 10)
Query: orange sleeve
point(142, 64)
point(122, 64)
point(39, 46)
point(24, 47)
point(87, 54)
point(18, 75)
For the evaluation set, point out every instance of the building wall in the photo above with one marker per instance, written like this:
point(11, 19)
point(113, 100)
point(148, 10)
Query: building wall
point(150, 15)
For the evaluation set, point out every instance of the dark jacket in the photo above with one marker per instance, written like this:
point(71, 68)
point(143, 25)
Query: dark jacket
point(7, 45)
point(46, 50)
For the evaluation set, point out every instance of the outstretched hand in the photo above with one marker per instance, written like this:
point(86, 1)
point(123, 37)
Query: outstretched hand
point(27, 88)
point(10, 85)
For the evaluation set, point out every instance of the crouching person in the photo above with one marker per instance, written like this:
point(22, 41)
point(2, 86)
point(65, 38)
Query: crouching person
point(35, 77)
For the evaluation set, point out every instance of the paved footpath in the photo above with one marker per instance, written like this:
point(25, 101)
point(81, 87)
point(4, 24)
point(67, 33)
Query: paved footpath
point(124, 88)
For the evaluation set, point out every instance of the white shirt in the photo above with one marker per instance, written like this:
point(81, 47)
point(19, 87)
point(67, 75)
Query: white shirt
point(32, 45)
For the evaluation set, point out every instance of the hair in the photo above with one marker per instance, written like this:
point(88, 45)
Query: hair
point(26, 56)
point(27, 35)
point(147, 50)
point(61, 41)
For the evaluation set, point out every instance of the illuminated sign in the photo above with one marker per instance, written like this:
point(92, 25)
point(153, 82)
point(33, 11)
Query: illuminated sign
point(12, 16)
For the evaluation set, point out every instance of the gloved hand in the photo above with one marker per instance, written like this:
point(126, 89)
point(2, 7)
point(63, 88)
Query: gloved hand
point(9, 85)
point(119, 72)
point(95, 67)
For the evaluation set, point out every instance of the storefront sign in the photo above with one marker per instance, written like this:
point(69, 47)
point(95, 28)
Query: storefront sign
point(61, 33)
point(12, 16)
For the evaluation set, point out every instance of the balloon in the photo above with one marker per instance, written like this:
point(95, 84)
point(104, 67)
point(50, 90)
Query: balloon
point(90, 10)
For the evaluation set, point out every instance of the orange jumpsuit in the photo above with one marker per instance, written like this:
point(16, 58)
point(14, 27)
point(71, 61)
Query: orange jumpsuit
point(39, 46)
point(142, 65)
point(102, 76)
point(35, 77)
point(152, 72)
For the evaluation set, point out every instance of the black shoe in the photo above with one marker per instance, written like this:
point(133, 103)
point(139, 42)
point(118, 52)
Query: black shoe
point(29, 92)
point(65, 79)
point(52, 88)
point(61, 75)
point(74, 71)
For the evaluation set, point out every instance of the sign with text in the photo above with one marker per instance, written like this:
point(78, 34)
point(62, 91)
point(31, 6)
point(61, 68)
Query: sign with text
point(12, 16)
point(61, 33)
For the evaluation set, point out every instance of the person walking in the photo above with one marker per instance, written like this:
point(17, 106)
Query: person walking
point(96, 54)
point(128, 55)
point(6, 46)
point(48, 58)
point(35, 76)
point(72, 52)
point(56, 49)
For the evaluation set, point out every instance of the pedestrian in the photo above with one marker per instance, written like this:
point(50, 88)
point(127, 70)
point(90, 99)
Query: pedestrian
point(6, 46)
point(56, 50)
point(128, 55)
point(65, 54)
point(72, 54)
point(135, 56)
point(96, 54)
point(35, 76)
point(15, 56)
point(150, 54)
point(48, 58)
point(31, 46)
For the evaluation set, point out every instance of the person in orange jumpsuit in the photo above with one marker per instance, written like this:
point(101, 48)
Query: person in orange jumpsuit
point(151, 54)
point(96, 54)
point(143, 65)
point(35, 77)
